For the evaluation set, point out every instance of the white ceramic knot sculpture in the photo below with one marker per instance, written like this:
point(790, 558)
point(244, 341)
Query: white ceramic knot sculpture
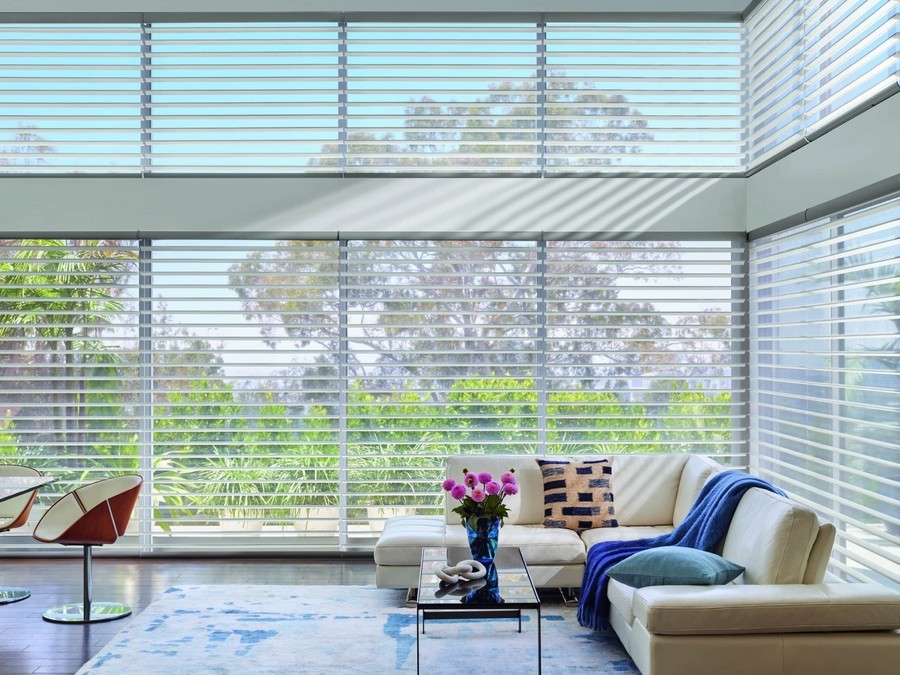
point(460, 588)
point(469, 570)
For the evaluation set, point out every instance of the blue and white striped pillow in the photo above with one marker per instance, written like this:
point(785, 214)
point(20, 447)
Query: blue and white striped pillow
point(578, 494)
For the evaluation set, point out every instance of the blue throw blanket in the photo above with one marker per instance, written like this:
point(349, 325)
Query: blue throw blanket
point(703, 527)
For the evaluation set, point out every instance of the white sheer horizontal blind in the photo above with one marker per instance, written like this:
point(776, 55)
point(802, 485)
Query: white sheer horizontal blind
point(69, 363)
point(443, 352)
point(493, 98)
point(244, 352)
point(303, 391)
point(644, 348)
point(825, 319)
point(851, 57)
point(812, 63)
point(345, 98)
point(644, 97)
point(442, 97)
point(243, 98)
point(775, 78)
point(70, 98)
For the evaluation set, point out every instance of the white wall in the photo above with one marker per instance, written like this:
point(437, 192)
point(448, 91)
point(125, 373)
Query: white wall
point(315, 207)
point(861, 152)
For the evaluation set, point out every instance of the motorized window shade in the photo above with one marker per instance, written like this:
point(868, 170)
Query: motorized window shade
point(344, 97)
point(70, 98)
point(442, 98)
point(69, 361)
point(775, 78)
point(643, 97)
point(824, 342)
point(812, 63)
point(353, 97)
point(243, 98)
point(443, 352)
point(300, 392)
point(245, 381)
point(644, 348)
point(851, 56)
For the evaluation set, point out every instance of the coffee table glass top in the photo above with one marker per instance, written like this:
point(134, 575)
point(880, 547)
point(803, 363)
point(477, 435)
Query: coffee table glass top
point(13, 486)
point(513, 590)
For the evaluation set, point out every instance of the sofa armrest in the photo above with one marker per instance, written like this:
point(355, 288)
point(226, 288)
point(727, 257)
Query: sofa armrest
point(766, 608)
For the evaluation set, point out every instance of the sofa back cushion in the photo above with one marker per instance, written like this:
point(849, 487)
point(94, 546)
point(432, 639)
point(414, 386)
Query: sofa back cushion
point(645, 488)
point(771, 537)
point(820, 554)
point(697, 470)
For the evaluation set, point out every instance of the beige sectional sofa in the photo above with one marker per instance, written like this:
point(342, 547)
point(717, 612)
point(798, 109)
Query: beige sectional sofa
point(778, 617)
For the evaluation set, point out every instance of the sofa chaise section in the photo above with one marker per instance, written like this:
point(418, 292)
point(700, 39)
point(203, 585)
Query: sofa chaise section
point(777, 629)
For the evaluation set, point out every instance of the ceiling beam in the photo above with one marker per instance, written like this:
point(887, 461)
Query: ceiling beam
point(475, 9)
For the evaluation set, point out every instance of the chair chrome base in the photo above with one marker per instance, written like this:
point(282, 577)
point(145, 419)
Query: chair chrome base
point(10, 594)
point(99, 612)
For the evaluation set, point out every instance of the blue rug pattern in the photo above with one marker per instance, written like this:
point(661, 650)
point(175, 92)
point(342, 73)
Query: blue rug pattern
point(250, 630)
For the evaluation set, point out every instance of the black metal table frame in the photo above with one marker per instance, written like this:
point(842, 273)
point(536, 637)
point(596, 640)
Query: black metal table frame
point(510, 611)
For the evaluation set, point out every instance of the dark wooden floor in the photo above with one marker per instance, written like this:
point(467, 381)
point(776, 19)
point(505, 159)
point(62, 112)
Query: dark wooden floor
point(28, 644)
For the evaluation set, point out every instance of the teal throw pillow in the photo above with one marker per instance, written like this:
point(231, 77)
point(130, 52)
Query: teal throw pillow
point(674, 565)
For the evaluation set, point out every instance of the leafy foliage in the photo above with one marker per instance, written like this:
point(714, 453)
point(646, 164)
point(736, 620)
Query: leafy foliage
point(222, 450)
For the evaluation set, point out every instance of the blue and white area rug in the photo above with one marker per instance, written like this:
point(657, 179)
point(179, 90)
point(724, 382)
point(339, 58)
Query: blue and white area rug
point(255, 630)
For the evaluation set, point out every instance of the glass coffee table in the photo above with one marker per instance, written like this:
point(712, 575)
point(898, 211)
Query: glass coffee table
point(504, 592)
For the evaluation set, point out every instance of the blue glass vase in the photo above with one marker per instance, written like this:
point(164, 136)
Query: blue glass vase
point(489, 593)
point(483, 539)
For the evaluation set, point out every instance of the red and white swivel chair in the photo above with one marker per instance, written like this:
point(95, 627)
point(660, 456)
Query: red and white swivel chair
point(93, 515)
point(14, 513)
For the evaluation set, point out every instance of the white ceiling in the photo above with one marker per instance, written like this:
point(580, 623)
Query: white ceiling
point(412, 6)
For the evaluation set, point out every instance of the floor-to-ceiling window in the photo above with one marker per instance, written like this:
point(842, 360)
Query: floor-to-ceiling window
point(825, 352)
point(69, 359)
point(293, 394)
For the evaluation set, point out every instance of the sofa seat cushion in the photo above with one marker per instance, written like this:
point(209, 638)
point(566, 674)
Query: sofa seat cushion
point(540, 545)
point(768, 608)
point(621, 597)
point(591, 537)
point(403, 538)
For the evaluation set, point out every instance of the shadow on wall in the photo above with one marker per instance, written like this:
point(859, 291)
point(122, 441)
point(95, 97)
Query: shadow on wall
point(520, 208)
